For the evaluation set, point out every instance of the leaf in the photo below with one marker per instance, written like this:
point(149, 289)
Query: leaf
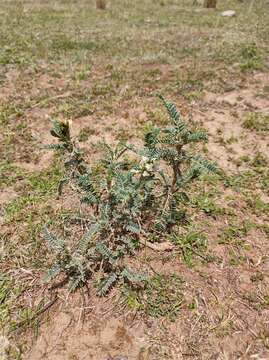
point(102, 248)
point(133, 228)
point(106, 284)
point(52, 272)
point(171, 109)
point(54, 242)
point(133, 277)
point(205, 165)
point(129, 243)
point(74, 283)
point(87, 238)
point(151, 138)
point(197, 136)
point(54, 146)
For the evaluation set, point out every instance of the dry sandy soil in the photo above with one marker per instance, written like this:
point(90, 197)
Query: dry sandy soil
point(228, 316)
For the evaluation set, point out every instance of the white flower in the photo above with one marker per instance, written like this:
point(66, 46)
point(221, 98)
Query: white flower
point(144, 159)
point(149, 167)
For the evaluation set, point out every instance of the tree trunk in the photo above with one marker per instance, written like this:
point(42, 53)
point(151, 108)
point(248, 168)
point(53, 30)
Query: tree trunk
point(101, 4)
point(210, 3)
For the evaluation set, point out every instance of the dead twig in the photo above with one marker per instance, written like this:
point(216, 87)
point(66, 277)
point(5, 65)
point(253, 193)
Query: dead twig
point(164, 246)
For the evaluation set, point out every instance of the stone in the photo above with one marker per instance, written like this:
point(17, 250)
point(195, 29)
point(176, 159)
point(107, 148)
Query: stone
point(228, 13)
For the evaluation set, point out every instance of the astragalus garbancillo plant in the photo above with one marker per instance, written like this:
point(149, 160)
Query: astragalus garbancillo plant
point(132, 198)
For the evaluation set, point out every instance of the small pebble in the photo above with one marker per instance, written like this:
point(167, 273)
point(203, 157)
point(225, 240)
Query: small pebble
point(228, 13)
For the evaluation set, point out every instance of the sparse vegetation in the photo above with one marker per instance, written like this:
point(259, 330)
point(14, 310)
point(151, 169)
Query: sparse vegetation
point(101, 70)
point(163, 297)
point(256, 121)
point(251, 59)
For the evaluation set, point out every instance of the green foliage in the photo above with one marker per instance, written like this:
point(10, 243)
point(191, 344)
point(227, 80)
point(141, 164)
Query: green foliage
point(163, 296)
point(43, 182)
point(235, 233)
point(206, 203)
point(191, 243)
point(14, 210)
point(251, 58)
point(128, 197)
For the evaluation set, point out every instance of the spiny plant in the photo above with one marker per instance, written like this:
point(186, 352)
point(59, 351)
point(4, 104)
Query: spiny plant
point(132, 198)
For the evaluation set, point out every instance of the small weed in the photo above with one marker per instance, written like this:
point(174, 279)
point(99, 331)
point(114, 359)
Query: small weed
point(74, 108)
point(206, 204)
point(192, 243)
point(9, 292)
point(122, 135)
point(258, 276)
point(231, 140)
point(256, 121)
point(46, 182)
point(64, 43)
point(235, 259)
point(251, 59)
point(235, 233)
point(256, 204)
point(265, 300)
point(245, 180)
point(225, 326)
point(259, 160)
point(132, 298)
point(190, 88)
point(15, 210)
point(9, 174)
point(103, 90)
point(83, 73)
point(192, 305)
point(163, 296)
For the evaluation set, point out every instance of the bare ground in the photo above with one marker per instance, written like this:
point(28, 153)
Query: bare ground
point(231, 314)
